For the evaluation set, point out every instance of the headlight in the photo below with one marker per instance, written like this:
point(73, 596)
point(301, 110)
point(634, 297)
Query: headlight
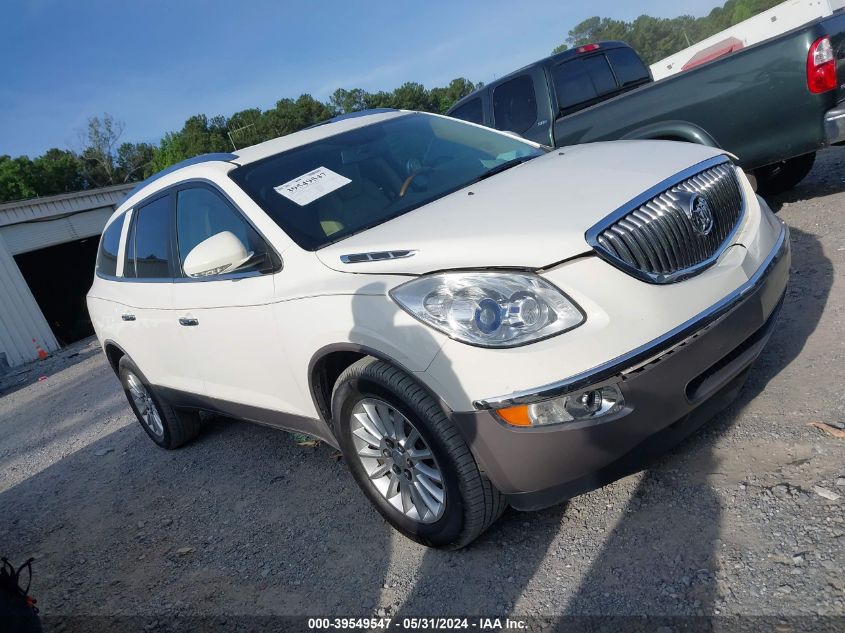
point(489, 309)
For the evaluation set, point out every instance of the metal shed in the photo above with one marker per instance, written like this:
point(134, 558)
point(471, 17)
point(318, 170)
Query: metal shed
point(38, 238)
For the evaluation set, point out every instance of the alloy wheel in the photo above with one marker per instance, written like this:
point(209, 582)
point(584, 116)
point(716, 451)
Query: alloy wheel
point(398, 461)
point(145, 405)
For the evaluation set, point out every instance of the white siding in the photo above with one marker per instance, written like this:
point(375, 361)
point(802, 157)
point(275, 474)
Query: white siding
point(21, 319)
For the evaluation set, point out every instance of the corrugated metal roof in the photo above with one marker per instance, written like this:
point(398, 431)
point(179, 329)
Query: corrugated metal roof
point(48, 206)
point(31, 236)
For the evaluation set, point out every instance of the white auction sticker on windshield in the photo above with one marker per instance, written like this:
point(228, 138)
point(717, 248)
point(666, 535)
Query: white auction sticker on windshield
point(309, 187)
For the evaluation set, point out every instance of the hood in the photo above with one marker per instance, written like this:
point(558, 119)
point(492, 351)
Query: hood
point(530, 216)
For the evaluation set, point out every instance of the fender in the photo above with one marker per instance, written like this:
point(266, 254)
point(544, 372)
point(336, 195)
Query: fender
point(323, 408)
point(673, 130)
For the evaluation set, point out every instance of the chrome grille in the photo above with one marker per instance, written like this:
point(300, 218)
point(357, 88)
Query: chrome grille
point(663, 236)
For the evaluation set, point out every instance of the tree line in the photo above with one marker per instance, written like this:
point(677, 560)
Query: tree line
point(656, 38)
point(104, 160)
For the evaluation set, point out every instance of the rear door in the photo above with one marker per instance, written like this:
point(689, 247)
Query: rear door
point(149, 334)
point(521, 104)
point(226, 321)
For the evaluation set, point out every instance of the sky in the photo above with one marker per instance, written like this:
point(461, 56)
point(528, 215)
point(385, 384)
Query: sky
point(153, 64)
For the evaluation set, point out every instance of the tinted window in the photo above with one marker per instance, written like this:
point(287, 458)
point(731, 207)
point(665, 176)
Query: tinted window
point(109, 245)
point(148, 247)
point(470, 111)
point(202, 212)
point(514, 105)
point(581, 80)
point(599, 71)
point(627, 65)
point(371, 174)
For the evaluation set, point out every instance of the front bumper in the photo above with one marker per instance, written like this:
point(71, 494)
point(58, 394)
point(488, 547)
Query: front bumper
point(671, 386)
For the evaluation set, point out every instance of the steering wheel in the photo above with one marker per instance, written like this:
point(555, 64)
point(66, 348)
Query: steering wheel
point(404, 188)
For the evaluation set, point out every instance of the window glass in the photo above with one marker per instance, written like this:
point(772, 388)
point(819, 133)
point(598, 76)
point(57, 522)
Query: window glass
point(470, 111)
point(628, 67)
point(581, 80)
point(148, 247)
point(373, 173)
point(514, 105)
point(202, 213)
point(109, 245)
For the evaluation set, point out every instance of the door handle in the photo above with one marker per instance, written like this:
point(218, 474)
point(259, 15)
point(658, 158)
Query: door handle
point(188, 322)
point(127, 317)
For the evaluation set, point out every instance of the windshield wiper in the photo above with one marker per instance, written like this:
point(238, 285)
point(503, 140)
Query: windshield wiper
point(513, 162)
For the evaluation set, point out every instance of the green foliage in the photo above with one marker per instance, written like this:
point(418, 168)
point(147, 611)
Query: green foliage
point(200, 134)
point(656, 38)
point(55, 171)
point(408, 96)
point(16, 178)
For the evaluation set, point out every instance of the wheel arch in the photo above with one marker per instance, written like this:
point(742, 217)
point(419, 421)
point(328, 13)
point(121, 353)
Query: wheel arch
point(329, 362)
point(675, 131)
point(114, 353)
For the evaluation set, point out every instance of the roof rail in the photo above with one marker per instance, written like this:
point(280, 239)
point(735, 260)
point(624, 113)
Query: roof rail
point(202, 158)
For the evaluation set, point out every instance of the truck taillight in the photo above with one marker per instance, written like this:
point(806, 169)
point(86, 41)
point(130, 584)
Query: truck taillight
point(821, 66)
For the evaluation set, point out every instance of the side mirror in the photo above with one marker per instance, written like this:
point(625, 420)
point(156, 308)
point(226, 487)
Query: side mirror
point(219, 254)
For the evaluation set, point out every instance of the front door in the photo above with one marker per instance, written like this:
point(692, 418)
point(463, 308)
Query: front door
point(226, 320)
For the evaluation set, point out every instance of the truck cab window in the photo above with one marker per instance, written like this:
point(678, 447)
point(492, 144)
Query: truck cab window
point(515, 105)
point(628, 67)
point(579, 81)
point(470, 111)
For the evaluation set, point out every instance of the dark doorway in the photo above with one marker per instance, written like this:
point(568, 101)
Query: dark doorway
point(59, 278)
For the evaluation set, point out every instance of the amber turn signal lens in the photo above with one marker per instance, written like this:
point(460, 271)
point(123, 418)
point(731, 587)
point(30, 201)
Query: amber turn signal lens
point(515, 416)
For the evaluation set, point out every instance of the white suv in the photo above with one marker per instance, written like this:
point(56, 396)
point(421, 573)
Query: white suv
point(473, 319)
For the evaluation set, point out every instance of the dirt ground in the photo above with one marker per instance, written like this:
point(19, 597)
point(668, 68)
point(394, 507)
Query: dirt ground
point(744, 518)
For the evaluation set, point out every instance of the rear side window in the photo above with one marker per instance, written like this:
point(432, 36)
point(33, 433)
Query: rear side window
point(202, 213)
point(148, 246)
point(470, 111)
point(109, 245)
point(627, 66)
point(515, 105)
point(582, 80)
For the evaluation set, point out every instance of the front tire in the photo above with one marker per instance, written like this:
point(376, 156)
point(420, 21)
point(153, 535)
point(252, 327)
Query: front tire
point(166, 426)
point(409, 459)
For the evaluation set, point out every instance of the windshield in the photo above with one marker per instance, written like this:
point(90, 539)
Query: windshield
point(327, 190)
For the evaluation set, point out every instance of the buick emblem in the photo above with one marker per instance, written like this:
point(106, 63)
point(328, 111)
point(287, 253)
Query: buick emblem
point(700, 215)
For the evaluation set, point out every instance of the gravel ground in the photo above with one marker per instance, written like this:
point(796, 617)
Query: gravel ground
point(746, 517)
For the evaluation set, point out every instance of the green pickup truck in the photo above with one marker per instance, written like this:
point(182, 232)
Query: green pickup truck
point(772, 105)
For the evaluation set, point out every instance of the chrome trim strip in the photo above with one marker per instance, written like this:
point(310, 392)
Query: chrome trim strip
point(376, 256)
point(595, 231)
point(648, 351)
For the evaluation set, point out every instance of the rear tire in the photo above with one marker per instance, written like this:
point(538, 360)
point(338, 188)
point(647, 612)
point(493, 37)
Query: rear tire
point(166, 426)
point(783, 176)
point(470, 503)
